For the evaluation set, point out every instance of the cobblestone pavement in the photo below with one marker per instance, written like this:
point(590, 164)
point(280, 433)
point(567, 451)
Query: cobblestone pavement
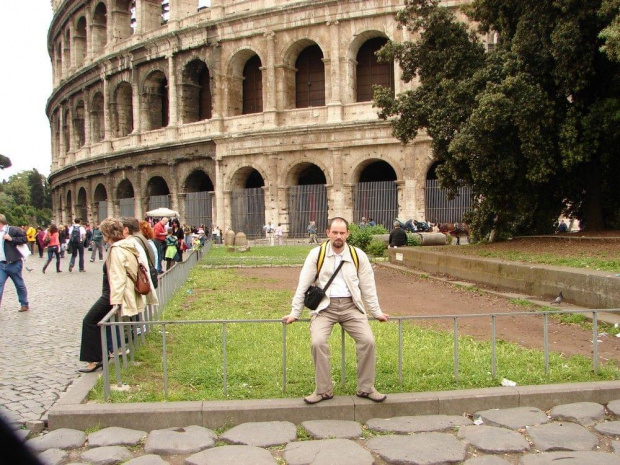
point(39, 349)
point(571, 434)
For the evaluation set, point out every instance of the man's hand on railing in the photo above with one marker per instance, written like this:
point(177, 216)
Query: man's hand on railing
point(116, 308)
point(288, 319)
point(383, 317)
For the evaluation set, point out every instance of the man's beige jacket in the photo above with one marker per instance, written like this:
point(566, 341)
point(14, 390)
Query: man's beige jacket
point(361, 283)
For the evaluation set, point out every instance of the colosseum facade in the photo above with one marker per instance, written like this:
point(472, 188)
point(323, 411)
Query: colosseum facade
point(232, 112)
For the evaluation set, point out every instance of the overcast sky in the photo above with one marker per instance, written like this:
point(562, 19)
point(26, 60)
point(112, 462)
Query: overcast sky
point(25, 85)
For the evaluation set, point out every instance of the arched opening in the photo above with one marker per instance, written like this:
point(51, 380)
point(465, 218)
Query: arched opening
point(376, 194)
point(99, 28)
point(80, 206)
point(123, 19)
point(196, 92)
point(310, 78)
point(370, 72)
point(58, 56)
point(69, 206)
point(97, 127)
point(123, 110)
point(248, 202)
point(125, 196)
point(158, 193)
point(252, 86)
point(66, 130)
point(155, 96)
point(78, 124)
point(80, 41)
point(438, 208)
point(199, 198)
point(100, 199)
point(56, 135)
point(307, 199)
point(66, 53)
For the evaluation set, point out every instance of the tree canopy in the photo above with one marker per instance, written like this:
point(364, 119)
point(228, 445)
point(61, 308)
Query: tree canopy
point(25, 199)
point(531, 125)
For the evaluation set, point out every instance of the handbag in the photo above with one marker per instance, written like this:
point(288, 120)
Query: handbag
point(314, 294)
point(142, 284)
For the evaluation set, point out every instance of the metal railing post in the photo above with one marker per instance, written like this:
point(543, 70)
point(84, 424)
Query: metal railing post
point(546, 341)
point(493, 347)
point(595, 342)
point(164, 359)
point(284, 357)
point(343, 362)
point(400, 352)
point(224, 360)
point(456, 349)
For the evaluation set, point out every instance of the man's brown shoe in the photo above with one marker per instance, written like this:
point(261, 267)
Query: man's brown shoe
point(373, 395)
point(315, 398)
point(24, 308)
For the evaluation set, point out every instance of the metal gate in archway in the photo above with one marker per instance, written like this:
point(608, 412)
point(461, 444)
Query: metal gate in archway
point(199, 208)
point(441, 210)
point(102, 210)
point(377, 200)
point(159, 201)
point(126, 207)
point(248, 211)
point(307, 203)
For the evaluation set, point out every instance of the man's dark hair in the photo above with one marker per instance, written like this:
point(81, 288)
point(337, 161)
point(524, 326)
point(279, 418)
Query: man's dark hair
point(131, 223)
point(337, 218)
point(77, 220)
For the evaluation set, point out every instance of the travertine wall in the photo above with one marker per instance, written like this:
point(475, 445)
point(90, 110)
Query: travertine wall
point(124, 106)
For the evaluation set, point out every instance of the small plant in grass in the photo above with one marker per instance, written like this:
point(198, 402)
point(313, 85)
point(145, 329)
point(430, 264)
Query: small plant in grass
point(376, 248)
point(413, 240)
point(302, 434)
point(362, 237)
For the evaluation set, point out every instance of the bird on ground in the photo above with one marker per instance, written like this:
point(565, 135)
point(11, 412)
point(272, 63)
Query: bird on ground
point(558, 300)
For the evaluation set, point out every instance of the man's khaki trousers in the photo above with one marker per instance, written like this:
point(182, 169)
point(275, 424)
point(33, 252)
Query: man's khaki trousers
point(354, 322)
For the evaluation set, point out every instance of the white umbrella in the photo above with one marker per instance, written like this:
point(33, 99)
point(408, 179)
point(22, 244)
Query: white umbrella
point(161, 212)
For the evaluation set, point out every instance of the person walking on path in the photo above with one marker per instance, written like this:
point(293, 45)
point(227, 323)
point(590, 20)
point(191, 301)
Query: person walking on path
point(159, 231)
point(97, 243)
point(11, 263)
point(40, 237)
point(31, 235)
point(52, 238)
point(77, 236)
point(352, 290)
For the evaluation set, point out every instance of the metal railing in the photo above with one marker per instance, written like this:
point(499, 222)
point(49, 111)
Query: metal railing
point(128, 335)
point(135, 327)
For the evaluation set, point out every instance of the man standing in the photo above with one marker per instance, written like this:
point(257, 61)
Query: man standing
point(269, 231)
point(77, 235)
point(398, 237)
point(11, 262)
point(312, 233)
point(31, 234)
point(351, 291)
point(159, 231)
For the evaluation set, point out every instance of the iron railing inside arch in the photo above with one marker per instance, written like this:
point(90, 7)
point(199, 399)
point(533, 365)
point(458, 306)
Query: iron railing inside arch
point(395, 320)
point(128, 335)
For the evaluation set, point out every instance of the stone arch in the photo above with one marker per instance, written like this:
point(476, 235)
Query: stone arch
point(198, 181)
point(58, 60)
point(155, 108)
point(100, 203)
point(97, 121)
point(247, 177)
point(235, 80)
point(56, 134)
point(80, 42)
point(196, 97)
point(81, 209)
point(79, 124)
point(69, 205)
point(375, 193)
point(66, 130)
point(66, 52)
point(157, 193)
point(125, 190)
point(306, 198)
point(370, 72)
point(99, 28)
point(122, 19)
point(122, 109)
point(290, 72)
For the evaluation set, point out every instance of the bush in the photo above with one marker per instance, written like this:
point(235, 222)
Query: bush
point(376, 248)
point(362, 237)
point(413, 240)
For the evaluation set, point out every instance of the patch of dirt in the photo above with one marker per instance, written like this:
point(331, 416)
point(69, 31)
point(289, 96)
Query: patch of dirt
point(403, 294)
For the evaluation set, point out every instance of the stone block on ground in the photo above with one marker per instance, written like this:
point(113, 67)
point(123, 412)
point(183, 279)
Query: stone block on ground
point(108, 455)
point(62, 438)
point(561, 436)
point(417, 424)
point(115, 436)
point(426, 448)
point(513, 418)
point(174, 441)
point(232, 455)
point(584, 413)
point(333, 429)
point(327, 452)
point(261, 434)
point(493, 439)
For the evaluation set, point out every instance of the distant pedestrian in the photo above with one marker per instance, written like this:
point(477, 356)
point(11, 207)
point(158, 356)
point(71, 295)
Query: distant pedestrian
point(159, 231)
point(31, 235)
point(77, 236)
point(96, 243)
point(11, 262)
point(398, 237)
point(171, 248)
point(39, 237)
point(269, 229)
point(312, 232)
point(279, 234)
point(52, 238)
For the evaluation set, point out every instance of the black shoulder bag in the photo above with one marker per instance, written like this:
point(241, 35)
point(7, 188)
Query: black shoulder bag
point(314, 294)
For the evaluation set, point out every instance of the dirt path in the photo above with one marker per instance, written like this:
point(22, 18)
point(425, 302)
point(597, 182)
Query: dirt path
point(406, 294)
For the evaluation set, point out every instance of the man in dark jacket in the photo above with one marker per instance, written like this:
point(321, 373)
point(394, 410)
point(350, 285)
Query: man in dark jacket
point(11, 262)
point(398, 237)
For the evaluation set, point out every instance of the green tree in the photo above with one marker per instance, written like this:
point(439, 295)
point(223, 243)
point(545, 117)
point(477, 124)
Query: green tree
point(39, 193)
point(15, 200)
point(531, 126)
point(5, 162)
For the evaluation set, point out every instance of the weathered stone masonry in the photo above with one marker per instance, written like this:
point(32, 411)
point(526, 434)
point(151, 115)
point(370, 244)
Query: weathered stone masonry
point(241, 94)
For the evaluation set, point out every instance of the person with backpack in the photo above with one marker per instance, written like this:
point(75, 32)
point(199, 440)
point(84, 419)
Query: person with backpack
point(345, 273)
point(97, 243)
point(77, 235)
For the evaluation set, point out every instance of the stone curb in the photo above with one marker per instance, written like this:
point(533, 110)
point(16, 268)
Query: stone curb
point(74, 413)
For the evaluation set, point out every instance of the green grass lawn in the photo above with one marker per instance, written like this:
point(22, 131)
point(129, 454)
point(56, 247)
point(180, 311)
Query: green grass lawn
point(254, 350)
